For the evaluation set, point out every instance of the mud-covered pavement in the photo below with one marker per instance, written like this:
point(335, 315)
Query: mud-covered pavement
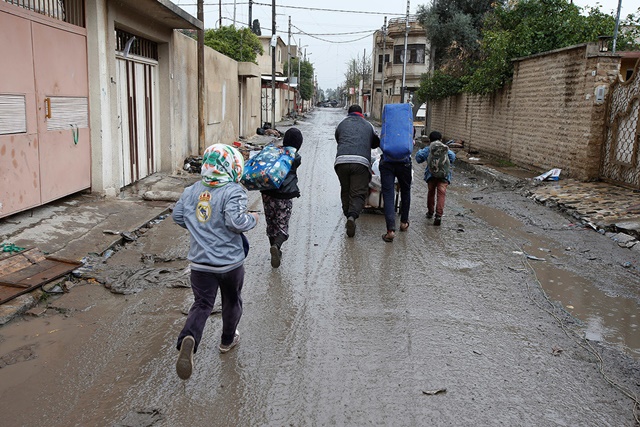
point(445, 326)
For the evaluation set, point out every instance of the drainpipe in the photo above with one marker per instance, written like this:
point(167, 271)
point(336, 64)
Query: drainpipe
point(384, 48)
point(274, 43)
point(201, 141)
point(289, 69)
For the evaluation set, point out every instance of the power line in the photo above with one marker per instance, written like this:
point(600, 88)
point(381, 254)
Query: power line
point(329, 10)
point(369, 34)
point(362, 12)
point(336, 34)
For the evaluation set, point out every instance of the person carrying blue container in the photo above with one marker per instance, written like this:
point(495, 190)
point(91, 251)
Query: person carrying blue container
point(396, 143)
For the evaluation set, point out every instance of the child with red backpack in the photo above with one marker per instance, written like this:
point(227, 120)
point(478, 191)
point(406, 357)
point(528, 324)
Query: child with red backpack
point(437, 174)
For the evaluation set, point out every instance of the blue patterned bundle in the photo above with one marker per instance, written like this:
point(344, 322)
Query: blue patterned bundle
point(268, 169)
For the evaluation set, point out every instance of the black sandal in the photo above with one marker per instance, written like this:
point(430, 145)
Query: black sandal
point(388, 237)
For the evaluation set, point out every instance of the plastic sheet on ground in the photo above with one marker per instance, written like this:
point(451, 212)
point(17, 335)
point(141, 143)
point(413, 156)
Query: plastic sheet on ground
point(129, 280)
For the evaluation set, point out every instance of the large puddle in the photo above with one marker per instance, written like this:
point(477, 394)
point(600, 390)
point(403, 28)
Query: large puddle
point(609, 318)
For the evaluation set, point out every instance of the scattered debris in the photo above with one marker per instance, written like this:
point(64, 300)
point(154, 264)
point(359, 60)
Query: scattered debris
point(193, 164)
point(434, 392)
point(162, 196)
point(556, 351)
point(535, 258)
point(128, 236)
point(10, 247)
point(52, 288)
point(477, 352)
point(552, 175)
point(36, 311)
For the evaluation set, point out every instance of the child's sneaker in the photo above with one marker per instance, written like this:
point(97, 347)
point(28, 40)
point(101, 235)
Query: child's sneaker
point(184, 365)
point(429, 215)
point(225, 348)
point(276, 255)
point(437, 220)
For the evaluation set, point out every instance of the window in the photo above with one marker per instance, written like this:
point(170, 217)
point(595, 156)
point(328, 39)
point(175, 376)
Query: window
point(135, 45)
point(386, 59)
point(416, 54)
point(71, 11)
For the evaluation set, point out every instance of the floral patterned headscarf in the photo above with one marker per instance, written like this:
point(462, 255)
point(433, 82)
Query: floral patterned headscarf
point(221, 164)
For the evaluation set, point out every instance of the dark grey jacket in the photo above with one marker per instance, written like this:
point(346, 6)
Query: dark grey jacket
point(356, 137)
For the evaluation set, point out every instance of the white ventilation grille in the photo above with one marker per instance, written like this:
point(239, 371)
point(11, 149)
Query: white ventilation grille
point(67, 113)
point(13, 114)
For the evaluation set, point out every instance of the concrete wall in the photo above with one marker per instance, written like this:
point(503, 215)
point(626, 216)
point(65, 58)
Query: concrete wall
point(264, 60)
point(547, 117)
point(102, 17)
point(224, 93)
point(177, 105)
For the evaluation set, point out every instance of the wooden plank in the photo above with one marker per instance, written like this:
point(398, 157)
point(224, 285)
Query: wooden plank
point(19, 261)
point(44, 271)
point(33, 275)
point(7, 294)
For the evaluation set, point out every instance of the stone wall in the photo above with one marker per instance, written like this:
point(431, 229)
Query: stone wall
point(548, 117)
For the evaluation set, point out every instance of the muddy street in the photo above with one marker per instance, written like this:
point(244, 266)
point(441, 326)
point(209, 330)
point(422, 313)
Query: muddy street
point(445, 326)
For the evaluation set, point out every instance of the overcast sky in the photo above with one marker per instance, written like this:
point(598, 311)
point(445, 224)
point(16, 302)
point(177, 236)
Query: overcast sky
point(319, 26)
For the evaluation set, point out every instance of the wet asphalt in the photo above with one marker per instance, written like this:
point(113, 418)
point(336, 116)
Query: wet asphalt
point(445, 326)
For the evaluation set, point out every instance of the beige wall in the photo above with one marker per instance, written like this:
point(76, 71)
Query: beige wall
point(222, 100)
point(264, 60)
point(548, 117)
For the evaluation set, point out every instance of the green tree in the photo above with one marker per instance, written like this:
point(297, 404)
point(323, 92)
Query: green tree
point(453, 28)
point(438, 85)
point(239, 44)
point(505, 31)
point(529, 27)
point(305, 82)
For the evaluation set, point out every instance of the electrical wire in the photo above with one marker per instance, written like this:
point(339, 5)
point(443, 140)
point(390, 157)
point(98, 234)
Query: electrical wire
point(369, 34)
point(329, 10)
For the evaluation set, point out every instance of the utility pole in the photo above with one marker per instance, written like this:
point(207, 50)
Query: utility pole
point(364, 55)
point(201, 146)
point(384, 48)
point(404, 62)
point(219, 13)
point(289, 67)
point(299, 79)
point(250, 11)
point(615, 31)
point(274, 44)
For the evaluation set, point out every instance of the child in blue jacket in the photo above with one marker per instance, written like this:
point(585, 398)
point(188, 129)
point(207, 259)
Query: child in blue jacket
point(214, 210)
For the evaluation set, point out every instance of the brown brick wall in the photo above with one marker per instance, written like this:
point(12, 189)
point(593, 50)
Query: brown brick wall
point(547, 117)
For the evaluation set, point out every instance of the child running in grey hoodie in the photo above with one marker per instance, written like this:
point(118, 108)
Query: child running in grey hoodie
point(214, 210)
